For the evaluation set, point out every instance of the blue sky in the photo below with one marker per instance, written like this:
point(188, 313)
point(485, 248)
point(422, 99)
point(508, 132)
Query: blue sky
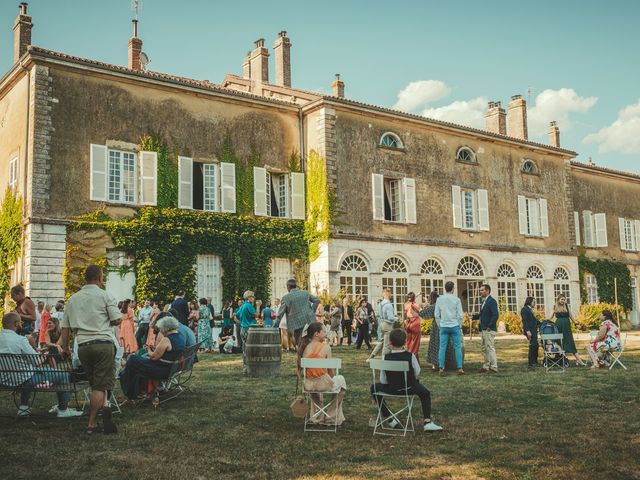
point(577, 58)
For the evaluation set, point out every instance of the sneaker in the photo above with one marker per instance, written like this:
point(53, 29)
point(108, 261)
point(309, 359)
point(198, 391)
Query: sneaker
point(24, 411)
point(68, 413)
point(54, 409)
point(431, 427)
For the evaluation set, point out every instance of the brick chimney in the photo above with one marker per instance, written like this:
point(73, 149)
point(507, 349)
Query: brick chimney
point(517, 117)
point(135, 49)
point(21, 32)
point(259, 62)
point(554, 134)
point(495, 119)
point(246, 66)
point(282, 52)
point(338, 87)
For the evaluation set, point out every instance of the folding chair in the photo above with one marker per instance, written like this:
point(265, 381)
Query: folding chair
point(112, 400)
point(312, 421)
point(616, 354)
point(403, 415)
point(554, 356)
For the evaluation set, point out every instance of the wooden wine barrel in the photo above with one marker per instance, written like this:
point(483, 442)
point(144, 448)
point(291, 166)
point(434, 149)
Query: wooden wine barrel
point(263, 352)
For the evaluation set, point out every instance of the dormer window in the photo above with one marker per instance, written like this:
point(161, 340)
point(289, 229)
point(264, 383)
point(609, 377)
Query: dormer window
point(465, 154)
point(391, 140)
point(528, 166)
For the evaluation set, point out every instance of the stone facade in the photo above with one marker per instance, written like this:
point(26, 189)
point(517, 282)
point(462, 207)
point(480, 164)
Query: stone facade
point(44, 261)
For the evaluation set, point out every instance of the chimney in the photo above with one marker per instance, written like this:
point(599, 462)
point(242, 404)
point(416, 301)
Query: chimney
point(338, 87)
point(517, 117)
point(282, 52)
point(554, 134)
point(495, 119)
point(246, 66)
point(259, 63)
point(135, 49)
point(21, 32)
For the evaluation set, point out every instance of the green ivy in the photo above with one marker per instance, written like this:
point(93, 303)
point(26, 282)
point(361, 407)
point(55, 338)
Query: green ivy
point(167, 169)
point(605, 271)
point(166, 243)
point(10, 237)
point(320, 204)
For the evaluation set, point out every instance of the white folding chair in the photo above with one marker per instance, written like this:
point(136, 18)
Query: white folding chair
point(616, 354)
point(554, 356)
point(403, 415)
point(313, 422)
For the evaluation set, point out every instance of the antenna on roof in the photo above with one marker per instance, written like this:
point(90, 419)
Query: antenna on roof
point(529, 93)
point(136, 6)
point(144, 60)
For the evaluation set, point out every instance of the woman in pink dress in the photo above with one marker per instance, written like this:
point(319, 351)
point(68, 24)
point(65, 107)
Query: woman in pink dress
point(127, 329)
point(412, 324)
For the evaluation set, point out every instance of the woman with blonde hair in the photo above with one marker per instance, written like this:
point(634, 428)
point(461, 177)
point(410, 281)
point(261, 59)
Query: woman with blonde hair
point(564, 320)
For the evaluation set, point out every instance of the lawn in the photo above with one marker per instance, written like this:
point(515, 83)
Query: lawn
point(517, 424)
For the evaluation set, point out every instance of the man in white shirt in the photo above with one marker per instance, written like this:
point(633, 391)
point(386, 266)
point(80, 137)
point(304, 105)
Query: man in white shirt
point(387, 318)
point(28, 375)
point(144, 320)
point(449, 316)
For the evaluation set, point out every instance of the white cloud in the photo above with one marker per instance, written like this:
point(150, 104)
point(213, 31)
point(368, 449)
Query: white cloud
point(419, 93)
point(556, 105)
point(623, 135)
point(462, 112)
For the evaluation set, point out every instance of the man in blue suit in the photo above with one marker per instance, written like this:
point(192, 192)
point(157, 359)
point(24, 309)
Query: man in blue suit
point(488, 320)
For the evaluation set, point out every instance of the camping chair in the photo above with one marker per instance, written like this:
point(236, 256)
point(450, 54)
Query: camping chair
point(402, 415)
point(554, 356)
point(616, 354)
point(312, 419)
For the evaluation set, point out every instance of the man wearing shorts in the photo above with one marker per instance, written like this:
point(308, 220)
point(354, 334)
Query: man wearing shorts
point(92, 313)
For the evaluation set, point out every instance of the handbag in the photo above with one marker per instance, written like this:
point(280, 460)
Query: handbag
point(299, 406)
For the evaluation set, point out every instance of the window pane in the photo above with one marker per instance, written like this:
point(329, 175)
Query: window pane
point(468, 209)
point(507, 294)
point(209, 186)
point(283, 194)
point(536, 290)
point(114, 176)
point(128, 177)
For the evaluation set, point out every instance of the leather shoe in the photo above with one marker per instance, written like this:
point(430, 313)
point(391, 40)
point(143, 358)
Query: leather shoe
point(483, 370)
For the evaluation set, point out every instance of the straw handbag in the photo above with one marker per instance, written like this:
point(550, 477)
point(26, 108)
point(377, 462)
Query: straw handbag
point(299, 406)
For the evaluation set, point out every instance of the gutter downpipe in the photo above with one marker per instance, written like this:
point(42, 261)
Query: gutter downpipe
point(301, 133)
point(25, 175)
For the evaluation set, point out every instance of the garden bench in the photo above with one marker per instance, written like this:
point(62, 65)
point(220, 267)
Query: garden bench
point(14, 366)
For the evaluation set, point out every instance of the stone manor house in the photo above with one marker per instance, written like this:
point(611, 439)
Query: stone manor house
point(418, 201)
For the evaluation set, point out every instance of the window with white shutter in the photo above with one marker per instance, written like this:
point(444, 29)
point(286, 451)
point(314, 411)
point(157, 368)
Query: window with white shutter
point(410, 200)
point(636, 231)
point(589, 230)
point(121, 177)
point(600, 221)
point(629, 234)
point(533, 216)
point(576, 225)
point(297, 196)
point(522, 214)
point(98, 176)
point(483, 209)
point(148, 178)
point(544, 217)
point(377, 186)
point(185, 182)
point(13, 173)
point(470, 208)
point(259, 191)
point(210, 187)
point(228, 187)
point(457, 206)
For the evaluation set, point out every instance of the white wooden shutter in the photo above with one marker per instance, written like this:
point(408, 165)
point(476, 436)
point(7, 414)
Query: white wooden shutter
point(544, 217)
point(377, 182)
point(149, 178)
point(636, 225)
point(259, 191)
point(623, 243)
point(534, 216)
point(98, 176)
point(522, 214)
point(456, 203)
point(483, 209)
point(576, 225)
point(185, 183)
point(601, 229)
point(587, 222)
point(409, 185)
point(228, 187)
point(297, 196)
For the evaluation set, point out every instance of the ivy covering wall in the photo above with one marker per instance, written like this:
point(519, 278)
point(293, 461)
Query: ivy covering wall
point(320, 200)
point(167, 171)
point(10, 238)
point(605, 271)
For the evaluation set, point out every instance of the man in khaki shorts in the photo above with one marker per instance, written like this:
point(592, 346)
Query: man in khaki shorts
point(92, 313)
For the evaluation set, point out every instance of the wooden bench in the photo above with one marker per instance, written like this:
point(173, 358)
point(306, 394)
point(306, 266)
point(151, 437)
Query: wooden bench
point(13, 368)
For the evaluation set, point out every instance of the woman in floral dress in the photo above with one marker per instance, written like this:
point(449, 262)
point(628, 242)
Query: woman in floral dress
point(607, 340)
point(204, 326)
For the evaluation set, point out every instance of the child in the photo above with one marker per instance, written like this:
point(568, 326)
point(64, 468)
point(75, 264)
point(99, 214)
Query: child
point(393, 382)
point(227, 342)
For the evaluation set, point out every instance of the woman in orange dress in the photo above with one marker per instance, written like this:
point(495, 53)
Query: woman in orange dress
point(127, 329)
point(412, 324)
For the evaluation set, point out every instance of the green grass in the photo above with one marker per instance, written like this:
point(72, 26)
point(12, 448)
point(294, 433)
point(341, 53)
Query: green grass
point(514, 425)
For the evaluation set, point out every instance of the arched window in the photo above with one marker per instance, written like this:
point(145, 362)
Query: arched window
point(391, 140)
point(394, 277)
point(535, 286)
point(470, 267)
point(529, 166)
point(432, 277)
point(465, 154)
point(561, 283)
point(354, 277)
point(591, 284)
point(507, 287)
